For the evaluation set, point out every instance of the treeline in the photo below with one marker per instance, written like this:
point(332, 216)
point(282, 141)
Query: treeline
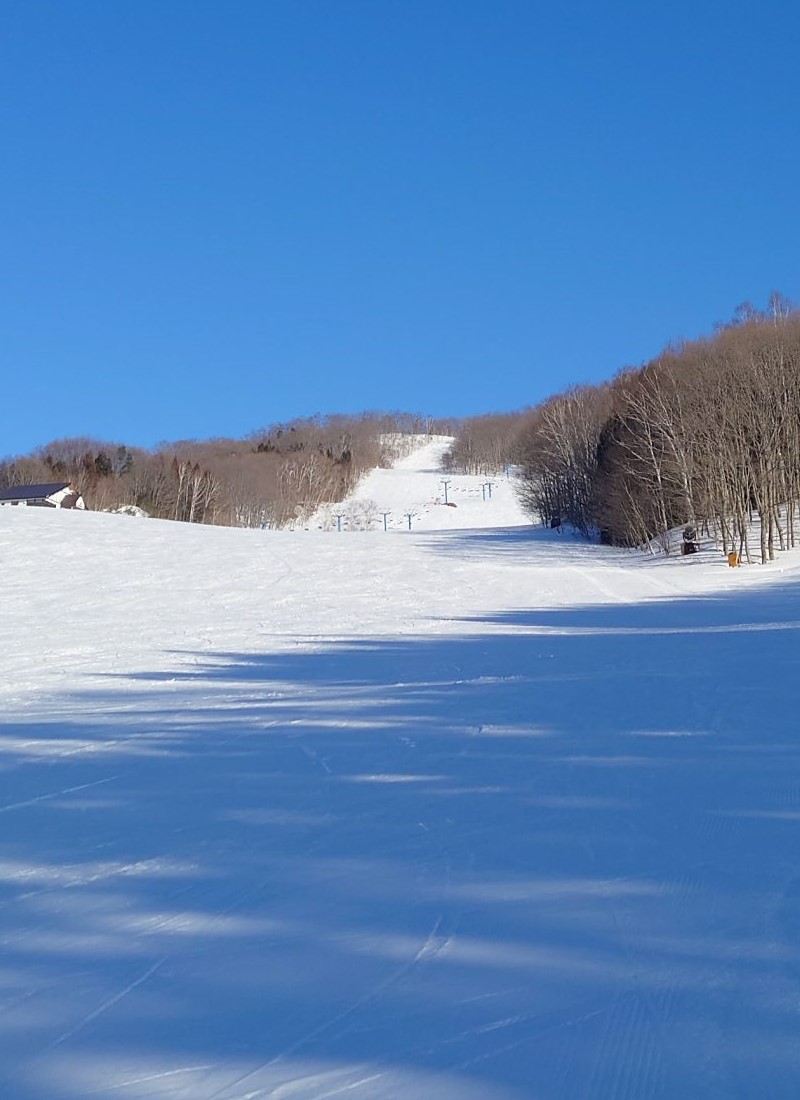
point(485, 444)
point(279, 475)
point(707, 434)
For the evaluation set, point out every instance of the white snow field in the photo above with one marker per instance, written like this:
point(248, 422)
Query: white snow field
point(448, 814)
point(416, 489)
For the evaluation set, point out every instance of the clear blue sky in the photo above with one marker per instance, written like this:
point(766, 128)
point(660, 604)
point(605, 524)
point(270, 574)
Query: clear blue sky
point(219, 215)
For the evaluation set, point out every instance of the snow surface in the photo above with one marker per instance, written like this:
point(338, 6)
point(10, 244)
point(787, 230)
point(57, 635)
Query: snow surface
point(415, 487)
point(464, 812)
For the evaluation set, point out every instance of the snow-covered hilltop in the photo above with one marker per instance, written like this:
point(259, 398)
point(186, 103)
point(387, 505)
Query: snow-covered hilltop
point(468, 812)
point(414, 494)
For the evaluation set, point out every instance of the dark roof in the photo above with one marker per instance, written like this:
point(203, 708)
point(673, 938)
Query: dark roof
point(33, 492)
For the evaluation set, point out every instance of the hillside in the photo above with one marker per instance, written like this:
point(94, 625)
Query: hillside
point(415, 487)
point(474, 811)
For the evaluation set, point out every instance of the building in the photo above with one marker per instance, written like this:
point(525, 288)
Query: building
point(57, 494)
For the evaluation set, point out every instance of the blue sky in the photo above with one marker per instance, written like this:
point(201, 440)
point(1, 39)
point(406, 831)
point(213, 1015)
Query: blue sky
point(220, 215)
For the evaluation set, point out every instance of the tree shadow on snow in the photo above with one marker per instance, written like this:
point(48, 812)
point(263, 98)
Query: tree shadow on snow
point(555, 857)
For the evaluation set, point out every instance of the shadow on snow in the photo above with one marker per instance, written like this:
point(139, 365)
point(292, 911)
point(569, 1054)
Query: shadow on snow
point(552, 860)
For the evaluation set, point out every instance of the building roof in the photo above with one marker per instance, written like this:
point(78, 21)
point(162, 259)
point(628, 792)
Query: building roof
point(33, 492)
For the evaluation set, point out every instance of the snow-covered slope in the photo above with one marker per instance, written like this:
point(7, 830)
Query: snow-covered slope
point(416, 495)
point(443, 813)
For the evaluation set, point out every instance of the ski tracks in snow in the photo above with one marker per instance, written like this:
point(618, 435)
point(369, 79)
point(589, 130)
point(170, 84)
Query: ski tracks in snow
point(437, 939)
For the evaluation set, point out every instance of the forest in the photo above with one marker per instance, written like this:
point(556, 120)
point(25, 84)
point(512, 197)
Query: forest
point(274, 478)
point(705, 436)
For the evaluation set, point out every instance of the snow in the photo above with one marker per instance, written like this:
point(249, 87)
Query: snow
point(415, 486)
point(469, 811)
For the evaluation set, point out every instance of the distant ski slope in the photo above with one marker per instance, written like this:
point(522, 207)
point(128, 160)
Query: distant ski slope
point(472, 811)
point(416, 487)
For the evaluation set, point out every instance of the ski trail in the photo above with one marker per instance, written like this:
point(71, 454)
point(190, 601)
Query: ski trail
point(431, 947)
point(148, 1078)
point(107, 1004)
point(102, 1008)
point(612, 1068)
point(55, 794)
point(439, 936)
